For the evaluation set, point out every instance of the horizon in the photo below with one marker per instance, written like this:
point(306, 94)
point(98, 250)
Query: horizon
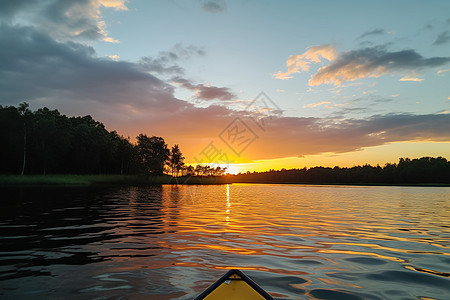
point(247, 85)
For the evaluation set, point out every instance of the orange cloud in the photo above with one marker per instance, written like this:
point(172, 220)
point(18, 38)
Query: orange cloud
point(357, 64)
point(116, 4)
point(302, 61)
point(317, 104)
point(286, 136)
point(294, 136)
point(374, 62)
point(114, 57)
point(352, 71)
point(411, 79)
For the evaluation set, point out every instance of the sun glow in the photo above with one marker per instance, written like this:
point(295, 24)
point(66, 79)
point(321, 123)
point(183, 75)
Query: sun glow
point(232, 168)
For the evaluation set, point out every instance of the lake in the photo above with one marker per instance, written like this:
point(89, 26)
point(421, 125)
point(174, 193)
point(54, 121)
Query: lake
point(172, 242)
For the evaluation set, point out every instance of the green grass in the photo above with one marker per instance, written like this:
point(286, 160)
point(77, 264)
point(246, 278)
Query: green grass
point(68, 180)
point(94, 180)
point(199, 180)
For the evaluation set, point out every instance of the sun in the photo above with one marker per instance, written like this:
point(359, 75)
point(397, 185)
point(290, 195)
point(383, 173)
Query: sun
point(231, 168)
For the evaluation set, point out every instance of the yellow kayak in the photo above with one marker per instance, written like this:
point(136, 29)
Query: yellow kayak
point(234, 285)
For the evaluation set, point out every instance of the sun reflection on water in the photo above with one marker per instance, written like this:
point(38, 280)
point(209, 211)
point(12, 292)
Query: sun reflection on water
point(227, 211)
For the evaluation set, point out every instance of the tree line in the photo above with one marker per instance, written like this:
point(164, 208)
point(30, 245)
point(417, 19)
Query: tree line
point(46, 142)
point(406, 171)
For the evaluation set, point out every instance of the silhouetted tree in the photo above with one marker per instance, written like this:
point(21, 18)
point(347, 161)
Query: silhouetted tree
point(190, 170)
point(125, 153)
point(407, 171)
point(12, 137)
point(45, 141)
point(152, 153)
point(176, 160)
point(25, 114)
point(198, 170)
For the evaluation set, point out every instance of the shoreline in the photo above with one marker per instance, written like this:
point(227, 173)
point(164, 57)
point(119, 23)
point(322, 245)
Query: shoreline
point(350, 184)
point(141, 180)
point(102, 180)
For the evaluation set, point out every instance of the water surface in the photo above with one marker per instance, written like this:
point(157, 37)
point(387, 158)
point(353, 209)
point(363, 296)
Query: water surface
point(172, 242)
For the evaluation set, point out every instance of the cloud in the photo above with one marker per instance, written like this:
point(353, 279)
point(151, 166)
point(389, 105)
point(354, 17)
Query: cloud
point(373, 62)
point(160, 66)
point(205, 92)
point(441, 72)
point(110, 40)
point(116, 4)
point(307, 136)
point(214, 6)
point(8, 9)
point(194, 128)
point(443, 38)
point(373, 32)
point(38, 68)
point(356, 64)
point(407, 78)
point(166, 62)
point(123, 95)
point(63, 20)
point(295, 63)
point(317, 104)
point(35, 66)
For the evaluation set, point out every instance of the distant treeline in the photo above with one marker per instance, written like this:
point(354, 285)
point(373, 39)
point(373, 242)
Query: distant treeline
point(47, 142)
point(406, 171)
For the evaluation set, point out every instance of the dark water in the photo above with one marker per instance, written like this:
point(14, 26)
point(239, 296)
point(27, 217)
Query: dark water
point(170, 242)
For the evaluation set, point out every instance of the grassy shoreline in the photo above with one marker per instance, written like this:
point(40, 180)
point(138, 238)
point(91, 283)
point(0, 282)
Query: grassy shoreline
point(96, 180)
point(351, 184)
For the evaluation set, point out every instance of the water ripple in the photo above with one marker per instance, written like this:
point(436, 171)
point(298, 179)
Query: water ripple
point(171, 242)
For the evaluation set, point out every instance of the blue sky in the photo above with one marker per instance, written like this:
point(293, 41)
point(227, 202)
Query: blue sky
point(246, 42)
point(362, 74)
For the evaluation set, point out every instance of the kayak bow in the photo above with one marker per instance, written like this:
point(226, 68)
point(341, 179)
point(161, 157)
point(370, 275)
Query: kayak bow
point(234, 285)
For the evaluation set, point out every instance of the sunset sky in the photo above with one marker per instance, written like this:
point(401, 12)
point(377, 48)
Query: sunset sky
point(249, 84)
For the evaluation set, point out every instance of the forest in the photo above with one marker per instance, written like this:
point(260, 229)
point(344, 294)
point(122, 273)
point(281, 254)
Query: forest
point(407, 171)
point(46, 142)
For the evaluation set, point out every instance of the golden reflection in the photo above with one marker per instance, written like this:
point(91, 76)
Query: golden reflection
point(241, 268)
point(412, 268)
point(228, 205)
point(264, 269)
point(379, 247)
point(205, 227)
point(230, 249)
point(332, 251)
point(330, 282)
